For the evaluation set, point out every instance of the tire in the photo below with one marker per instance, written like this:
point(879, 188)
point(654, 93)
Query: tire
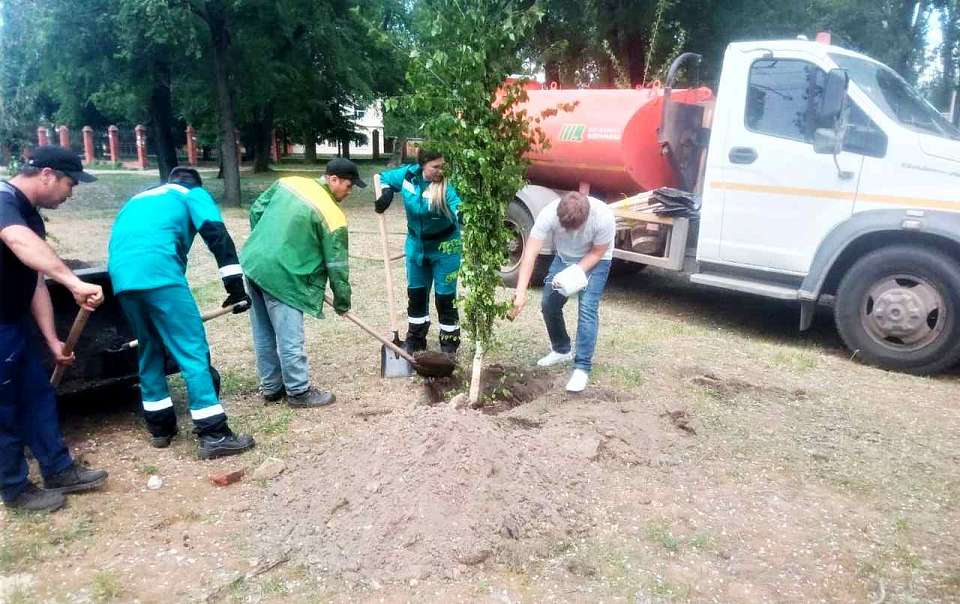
point(897, 308)
point(520, 222)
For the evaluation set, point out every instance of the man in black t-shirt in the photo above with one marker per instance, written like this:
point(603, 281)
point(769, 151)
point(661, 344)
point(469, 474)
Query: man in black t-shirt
point(28, 405)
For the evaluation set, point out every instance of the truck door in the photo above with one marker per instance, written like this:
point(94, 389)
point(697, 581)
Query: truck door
point(779, 197)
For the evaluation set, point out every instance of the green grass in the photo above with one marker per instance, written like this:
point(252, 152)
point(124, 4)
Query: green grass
point(794, 359)
point(234, 383)
point(658, 531)
point(29, 538)
point(661, 588)
point(107, 586)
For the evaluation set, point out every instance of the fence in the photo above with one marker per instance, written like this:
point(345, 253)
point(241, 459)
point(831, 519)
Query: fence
point(126, 146)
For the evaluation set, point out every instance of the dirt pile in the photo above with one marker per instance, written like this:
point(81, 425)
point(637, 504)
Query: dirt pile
point(431, 491)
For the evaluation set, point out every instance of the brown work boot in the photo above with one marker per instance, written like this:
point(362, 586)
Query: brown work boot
point(75, 479)
point(34, 499)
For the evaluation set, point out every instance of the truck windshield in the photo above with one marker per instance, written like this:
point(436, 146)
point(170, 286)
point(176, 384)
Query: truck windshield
point(895, 97)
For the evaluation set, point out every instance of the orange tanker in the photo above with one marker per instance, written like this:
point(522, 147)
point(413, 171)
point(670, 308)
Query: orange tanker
point(608, 140)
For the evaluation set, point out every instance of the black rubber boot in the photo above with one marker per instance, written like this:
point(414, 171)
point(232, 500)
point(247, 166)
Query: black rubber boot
point(75, 479)
point(450, 341)
point(418, 315)
point(162, 441)
point(449, 323)
point(416, 337)
point(221, 444)
point(33, 499)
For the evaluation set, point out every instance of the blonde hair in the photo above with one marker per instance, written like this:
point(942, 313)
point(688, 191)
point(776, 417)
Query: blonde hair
point(437, 193)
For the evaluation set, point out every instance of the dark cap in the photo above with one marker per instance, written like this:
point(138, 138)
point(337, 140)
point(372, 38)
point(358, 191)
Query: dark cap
point(344, 168)
point(61, 160)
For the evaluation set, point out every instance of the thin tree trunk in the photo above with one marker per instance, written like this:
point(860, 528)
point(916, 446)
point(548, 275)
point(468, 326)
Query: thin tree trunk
point(475, 375)
point(161, 121)
point(310, 146)
point(948, 52)
point(345, 148)
point(262, 139)
point(220, 42)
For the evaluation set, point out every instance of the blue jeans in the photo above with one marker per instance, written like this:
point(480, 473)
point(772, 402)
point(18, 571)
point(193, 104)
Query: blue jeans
point(278, 343)
point(28, 412)
point(587, 319)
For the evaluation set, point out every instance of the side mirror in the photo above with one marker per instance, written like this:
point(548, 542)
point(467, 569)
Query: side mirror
point(827, 141)
point(833, 101)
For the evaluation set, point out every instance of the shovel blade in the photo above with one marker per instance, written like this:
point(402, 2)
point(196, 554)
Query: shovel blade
point(392, 365)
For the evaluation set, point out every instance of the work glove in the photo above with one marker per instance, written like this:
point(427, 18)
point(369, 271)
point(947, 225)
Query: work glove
point(383, 202)
point(236, 293)
point(341, 307)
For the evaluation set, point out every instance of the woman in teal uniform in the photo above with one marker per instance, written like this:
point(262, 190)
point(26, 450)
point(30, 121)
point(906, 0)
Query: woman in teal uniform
point(431, 204)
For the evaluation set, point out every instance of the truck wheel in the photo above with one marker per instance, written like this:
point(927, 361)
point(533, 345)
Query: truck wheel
point(520, 222)
point(897, 308)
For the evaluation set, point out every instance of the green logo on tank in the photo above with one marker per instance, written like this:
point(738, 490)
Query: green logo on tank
point(572, 133)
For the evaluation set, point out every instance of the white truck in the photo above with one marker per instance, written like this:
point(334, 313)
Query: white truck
point(821, 176)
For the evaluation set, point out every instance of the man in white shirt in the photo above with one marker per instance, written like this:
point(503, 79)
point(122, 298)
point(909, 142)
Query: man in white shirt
point(581, 230)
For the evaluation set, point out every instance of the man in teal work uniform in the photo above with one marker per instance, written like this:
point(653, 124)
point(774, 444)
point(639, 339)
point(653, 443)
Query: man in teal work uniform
point(431, 205)
point(298, 240)
point(148, 259)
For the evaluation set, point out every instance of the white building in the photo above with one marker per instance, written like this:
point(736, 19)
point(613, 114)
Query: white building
point(368, 122)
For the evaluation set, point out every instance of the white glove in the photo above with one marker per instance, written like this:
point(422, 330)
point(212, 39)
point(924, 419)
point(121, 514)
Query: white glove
point(570, 281)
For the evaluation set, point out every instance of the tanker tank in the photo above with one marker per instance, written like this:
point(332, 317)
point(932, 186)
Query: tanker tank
point(608, 140)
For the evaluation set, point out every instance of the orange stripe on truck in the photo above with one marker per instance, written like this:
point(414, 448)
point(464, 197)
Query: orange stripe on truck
point(897, 200)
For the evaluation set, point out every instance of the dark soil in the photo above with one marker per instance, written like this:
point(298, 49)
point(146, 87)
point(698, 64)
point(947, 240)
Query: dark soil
point(502, 387)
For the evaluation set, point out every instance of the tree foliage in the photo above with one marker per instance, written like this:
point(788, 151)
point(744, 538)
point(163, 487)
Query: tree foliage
point(459, 64)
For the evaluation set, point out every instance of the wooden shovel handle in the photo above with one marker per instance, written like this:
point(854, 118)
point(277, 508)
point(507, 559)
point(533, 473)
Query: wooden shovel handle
point(359, 323)
point(75, 330)
point(391, 298)
point(226, 310)
point(213, 314)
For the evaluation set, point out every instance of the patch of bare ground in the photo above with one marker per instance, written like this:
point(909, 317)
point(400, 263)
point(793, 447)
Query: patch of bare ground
point(433, 492)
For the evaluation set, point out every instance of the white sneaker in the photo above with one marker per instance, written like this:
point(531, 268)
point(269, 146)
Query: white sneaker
point(578, 380)
point(555, 357)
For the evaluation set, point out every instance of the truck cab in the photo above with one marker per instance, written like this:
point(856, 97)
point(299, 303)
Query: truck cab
point(820, 176)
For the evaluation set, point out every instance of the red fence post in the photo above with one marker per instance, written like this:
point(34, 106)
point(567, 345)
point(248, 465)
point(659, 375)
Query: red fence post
point(42, 136)
point(141, 133)
point(114, 135)
point(191, 146)
point(88, 144)
point(274, 147)
point(64, 136)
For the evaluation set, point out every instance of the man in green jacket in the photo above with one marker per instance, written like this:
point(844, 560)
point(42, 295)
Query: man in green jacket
point(298, 241)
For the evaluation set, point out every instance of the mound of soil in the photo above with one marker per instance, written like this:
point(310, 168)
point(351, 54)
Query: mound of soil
point(431, 491)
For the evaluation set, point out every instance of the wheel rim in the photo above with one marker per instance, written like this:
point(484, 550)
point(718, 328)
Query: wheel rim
point(514, 248)
point(903, 312)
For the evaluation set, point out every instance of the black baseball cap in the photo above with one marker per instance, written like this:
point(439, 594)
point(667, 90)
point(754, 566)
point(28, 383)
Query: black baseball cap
point(61, 160)
point(344, 168)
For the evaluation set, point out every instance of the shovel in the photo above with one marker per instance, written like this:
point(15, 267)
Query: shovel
point(78, 324)
point(391, 364)
point(213, 314)
point(427, 363)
